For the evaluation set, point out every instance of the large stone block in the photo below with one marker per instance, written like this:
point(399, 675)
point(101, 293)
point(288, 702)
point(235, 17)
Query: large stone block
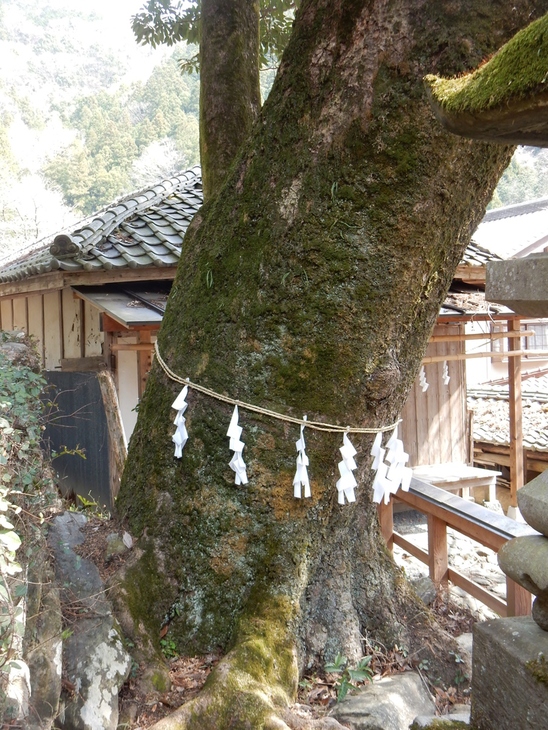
point(533, 502)
point(510, 675)
point(521, 284)
point(525, 561)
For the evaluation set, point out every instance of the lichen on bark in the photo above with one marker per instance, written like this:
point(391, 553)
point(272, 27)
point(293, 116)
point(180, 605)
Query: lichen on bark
point(310, 286)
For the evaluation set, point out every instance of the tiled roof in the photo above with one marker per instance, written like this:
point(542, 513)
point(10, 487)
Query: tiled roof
point(510, 211)
point(492, 417)
point(144, 229)
point(476, 255)
point(515, 230)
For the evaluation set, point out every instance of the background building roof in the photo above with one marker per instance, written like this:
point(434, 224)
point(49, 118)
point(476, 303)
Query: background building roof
point(144, 229)
point(515, 230)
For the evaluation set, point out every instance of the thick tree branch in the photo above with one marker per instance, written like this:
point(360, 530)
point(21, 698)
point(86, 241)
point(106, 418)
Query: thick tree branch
point(506, 99)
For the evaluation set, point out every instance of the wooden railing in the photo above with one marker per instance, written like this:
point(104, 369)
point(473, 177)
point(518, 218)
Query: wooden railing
point(444, 509)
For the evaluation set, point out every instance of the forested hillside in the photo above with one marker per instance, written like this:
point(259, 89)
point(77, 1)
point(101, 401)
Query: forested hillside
point(525, 178)
point(85, 114)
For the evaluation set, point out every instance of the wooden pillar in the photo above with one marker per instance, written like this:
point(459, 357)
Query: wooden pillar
point(386, 519)
point(515, 406)
point(116, 436)
point(437, 550)
point(518, 599)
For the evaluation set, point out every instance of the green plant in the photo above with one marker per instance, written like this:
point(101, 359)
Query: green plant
point(349, 678)
point(168, 648)
point(460, 677)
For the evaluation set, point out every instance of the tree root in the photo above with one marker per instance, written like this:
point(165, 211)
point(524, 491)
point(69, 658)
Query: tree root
point(254, 685)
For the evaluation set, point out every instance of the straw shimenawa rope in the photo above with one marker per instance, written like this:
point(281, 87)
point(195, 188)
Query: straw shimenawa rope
point(317, 425)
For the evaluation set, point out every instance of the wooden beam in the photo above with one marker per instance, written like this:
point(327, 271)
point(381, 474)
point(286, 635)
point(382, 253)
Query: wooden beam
point(473, 589)
point(83, 364)
point(60, 279)
point(116, 437)
point(108, 324)
point(475, 274)
point(518, 599)
point(488, 336)
point(43, 283)
point(135, 346)
point(153, 273)
point(437, 550)
point(386, 519)
point(516, 419)
point(478, 317)
point(456, 521)
point(470, 356)
point(410, 547)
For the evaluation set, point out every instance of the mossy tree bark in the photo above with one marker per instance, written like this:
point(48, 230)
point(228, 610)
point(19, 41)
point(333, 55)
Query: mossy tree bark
point(309, 286)
point(230, 96)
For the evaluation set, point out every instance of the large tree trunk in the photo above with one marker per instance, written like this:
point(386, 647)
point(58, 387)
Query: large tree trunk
point(309, 286)
point(230, 96)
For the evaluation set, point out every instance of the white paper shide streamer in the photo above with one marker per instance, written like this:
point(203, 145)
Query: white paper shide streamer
point(180, 436)
point(237, 464)
point(301, 480)
point(347, 483)
point(445, 376)
point(422, 380)
point(393, 475)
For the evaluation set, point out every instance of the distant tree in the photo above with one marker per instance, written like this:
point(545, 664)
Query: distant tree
point(167, 22)
point(116, 129)
point(525, 178)
point(235, 38)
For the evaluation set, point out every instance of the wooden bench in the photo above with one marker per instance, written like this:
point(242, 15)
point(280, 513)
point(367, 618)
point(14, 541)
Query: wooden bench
point(444, 510)
point(458, 478)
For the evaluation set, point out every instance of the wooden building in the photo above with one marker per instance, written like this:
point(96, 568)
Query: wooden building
point(93, 299)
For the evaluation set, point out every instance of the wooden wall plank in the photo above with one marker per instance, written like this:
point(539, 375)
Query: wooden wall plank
point(35, 309)
point(6, 314)
point(53, 335)
point(20, 321)
point(72, 325)
point(93, 337)
point(434, 423)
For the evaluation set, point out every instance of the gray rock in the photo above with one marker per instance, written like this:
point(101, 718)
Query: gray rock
point(95, 662)
point(525, 560)
point(533, 503)
point(115, 545)
point(425, 589)
point(424, 721)
point(390, 704)
point(465, 653)
point(45, 661)
point(494, 506)
point(540, 611)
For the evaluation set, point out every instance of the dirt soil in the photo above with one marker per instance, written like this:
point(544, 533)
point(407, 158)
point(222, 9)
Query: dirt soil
point(317, 692)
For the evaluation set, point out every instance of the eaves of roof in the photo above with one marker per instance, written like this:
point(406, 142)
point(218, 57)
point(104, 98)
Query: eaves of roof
point(511, 211)
point(144, 230)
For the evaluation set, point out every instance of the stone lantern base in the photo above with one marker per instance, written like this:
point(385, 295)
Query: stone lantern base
point(510, 675)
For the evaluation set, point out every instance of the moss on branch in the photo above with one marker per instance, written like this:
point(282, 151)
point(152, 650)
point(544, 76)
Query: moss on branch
point(518, 71)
